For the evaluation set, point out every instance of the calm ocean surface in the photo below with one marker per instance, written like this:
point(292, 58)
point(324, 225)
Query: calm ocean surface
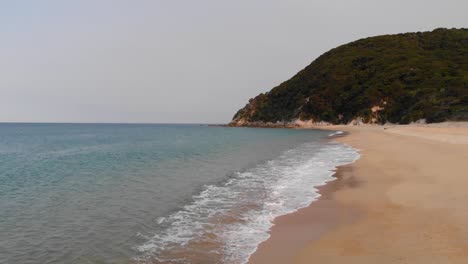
point(130, 193)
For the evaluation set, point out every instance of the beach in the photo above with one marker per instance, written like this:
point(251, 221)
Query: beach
point(403, 201)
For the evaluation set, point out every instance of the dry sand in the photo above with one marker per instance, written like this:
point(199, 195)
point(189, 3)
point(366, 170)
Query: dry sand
point(404, 201)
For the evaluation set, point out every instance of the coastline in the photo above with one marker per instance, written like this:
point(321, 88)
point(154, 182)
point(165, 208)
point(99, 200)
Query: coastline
point(289, 228)
point(230, 219)
point(389, 206)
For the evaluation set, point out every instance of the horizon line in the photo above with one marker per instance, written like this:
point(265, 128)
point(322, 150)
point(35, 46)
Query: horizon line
point(116, 123)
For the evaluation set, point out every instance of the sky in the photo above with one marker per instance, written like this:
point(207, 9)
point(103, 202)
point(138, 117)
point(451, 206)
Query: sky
point(172, 61)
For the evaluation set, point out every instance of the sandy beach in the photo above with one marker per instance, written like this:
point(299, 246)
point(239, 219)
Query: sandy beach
point(404, 201)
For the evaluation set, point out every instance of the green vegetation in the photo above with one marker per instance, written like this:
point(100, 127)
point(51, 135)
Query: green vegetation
point(410, 76)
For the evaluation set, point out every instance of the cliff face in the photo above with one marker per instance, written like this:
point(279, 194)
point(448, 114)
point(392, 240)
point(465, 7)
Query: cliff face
point(393, 78)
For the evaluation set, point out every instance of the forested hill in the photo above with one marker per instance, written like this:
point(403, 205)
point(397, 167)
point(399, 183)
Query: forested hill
point(392, 78)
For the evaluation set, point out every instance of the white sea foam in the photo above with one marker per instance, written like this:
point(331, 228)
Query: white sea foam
point(253, 199)
point(336, 133)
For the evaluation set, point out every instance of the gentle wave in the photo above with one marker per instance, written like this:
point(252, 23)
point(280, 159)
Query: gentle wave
point(235, 217)
point(336, 133)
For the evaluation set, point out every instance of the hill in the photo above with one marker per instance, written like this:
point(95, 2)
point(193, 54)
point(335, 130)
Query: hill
point(392, 78)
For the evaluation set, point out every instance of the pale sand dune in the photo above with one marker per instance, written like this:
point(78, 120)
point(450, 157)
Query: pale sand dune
point(408, 203)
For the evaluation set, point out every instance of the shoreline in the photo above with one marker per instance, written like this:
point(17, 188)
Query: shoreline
point(383, 195)
point(330, 214)
point(278, 194)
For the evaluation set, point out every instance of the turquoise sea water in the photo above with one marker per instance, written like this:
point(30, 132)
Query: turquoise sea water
point(126, 193)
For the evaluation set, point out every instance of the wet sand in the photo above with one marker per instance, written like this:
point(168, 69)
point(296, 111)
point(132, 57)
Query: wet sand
point(404, 201)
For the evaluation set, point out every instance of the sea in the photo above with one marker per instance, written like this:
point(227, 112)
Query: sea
point(153, 193)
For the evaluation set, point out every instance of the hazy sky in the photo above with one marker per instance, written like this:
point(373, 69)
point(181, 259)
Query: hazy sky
point(178, 61)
